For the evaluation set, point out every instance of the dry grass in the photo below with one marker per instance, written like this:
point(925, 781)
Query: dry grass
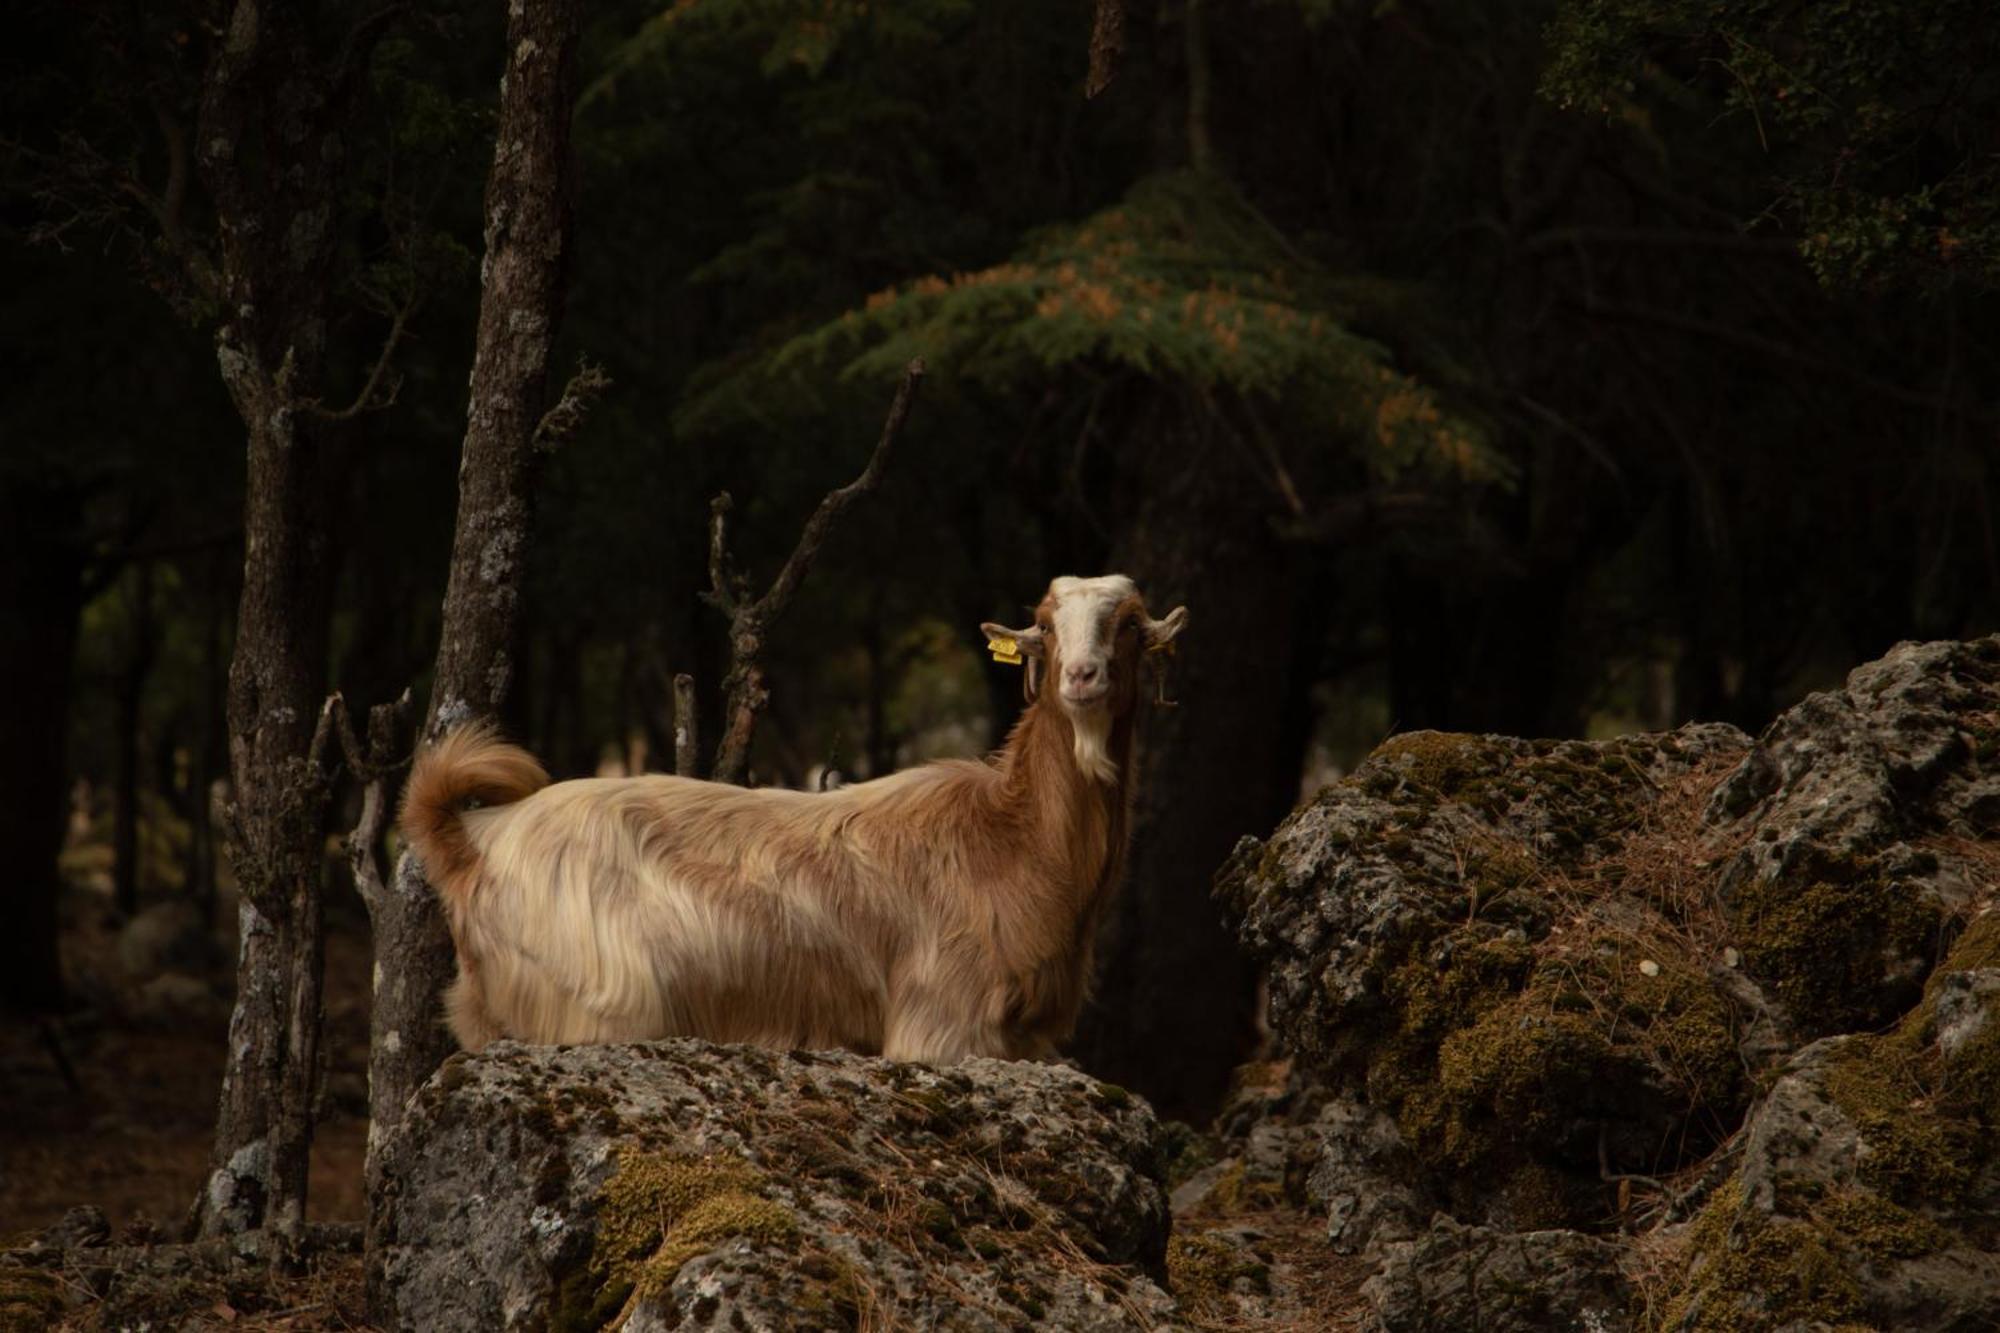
point(1309, 1286)
point(329, 1297)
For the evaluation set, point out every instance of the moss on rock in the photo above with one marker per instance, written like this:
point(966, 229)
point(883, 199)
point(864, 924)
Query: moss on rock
point(1845, 951)
point(1202, 1269)
point(657, 1212)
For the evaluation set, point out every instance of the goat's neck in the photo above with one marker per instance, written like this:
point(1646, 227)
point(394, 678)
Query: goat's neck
point(1074, 805)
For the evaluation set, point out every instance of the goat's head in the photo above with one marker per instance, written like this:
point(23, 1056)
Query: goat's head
point(1090, 636)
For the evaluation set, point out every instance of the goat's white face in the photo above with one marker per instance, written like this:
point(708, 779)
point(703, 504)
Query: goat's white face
point(1090, 633)
point(1083, 614)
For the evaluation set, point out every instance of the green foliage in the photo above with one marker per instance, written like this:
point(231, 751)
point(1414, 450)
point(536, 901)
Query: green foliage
point(802, 34)
point(1877, 114)
point(1182, 283)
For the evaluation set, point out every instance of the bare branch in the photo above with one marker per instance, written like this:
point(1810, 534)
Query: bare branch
point(561, 422)
point(332, 721)
point(363, 844)
point(773, 603)
point(721, 594)
point(687, 741)
point(750, 622)
point(746, 702)
point(373, 396)
point(360, 44)
point(1107, 46)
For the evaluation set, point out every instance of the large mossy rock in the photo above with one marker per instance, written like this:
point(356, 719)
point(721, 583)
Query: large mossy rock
point(1869, 1188)
point(684, 1185)
point(1864, 817)
point(1464, 931)
point(1598, 986)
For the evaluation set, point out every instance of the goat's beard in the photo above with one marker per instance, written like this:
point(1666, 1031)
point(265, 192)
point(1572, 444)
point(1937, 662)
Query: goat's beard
point(1091, 725)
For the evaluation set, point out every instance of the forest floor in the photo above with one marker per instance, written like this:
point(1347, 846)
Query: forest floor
point(132, 1136)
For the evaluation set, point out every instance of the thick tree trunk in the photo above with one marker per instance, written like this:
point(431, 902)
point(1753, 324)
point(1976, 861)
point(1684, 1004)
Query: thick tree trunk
point(41, 599)
point(271, 157)
point(527, 243)
point(1173, 1012)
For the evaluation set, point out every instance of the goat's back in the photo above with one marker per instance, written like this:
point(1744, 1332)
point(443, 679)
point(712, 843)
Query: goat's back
point(625, 908)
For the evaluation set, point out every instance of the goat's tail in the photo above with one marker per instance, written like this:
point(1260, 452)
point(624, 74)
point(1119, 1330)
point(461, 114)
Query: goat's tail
point(471, 763)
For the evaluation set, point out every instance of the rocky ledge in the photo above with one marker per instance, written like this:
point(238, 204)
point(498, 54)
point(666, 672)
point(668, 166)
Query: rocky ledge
point(683, 1185)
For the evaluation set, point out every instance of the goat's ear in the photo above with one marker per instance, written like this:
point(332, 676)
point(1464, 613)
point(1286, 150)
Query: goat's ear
point(1026, 642)
point(1160, 634)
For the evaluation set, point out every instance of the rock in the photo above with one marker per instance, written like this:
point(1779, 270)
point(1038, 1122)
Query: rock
point(1453, 937)
point(168, 936)
point(1362, 1179)
point(82, 1227)
point(1557, 987)
point(691, 1185)
point(1850, 809)
point(174, 999)
point(1457, 1277)
point(1965, 1011)
point(1868, 1185)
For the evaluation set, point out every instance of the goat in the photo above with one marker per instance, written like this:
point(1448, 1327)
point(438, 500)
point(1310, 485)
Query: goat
point(940, 912)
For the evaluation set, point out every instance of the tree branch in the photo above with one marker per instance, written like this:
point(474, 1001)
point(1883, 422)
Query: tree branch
point(1107, 46)
point(373, 767)
point(773, 603)
point(751, 621)
point(561, 422)
point(372, 397)
point(721, 592)
point(687, 740)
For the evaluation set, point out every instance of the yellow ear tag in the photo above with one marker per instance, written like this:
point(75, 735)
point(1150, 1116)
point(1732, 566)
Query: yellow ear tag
point(1005, 650)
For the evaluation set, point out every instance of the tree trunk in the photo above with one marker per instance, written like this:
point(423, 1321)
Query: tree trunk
point(527, 244)
point(142, 641)
point(1173, 1011)
point(41, 600)
point(271, 157)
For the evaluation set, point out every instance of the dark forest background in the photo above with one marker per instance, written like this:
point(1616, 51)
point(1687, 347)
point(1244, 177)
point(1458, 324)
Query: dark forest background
point(1544, 369)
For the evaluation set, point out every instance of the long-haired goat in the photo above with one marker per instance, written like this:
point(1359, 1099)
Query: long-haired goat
point(943, 911)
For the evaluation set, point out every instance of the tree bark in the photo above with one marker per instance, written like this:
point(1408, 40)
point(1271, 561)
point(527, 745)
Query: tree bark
point(1173, 1006)
point(41, 601)
point(527, 245)
point(271, 157)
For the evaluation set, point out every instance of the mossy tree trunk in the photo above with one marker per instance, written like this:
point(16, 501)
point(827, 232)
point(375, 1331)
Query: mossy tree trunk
point(271, 155)
point(527, 244)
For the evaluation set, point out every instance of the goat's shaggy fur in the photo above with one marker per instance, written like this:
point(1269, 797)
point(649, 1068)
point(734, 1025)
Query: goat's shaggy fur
point(944, 911)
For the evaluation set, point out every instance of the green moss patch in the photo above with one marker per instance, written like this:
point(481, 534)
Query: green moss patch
point(1443, 763)
point(1497, 1054)
point(1203, 1269)
point(1835, 951)
point(659, 1211)
point(1748, 1272)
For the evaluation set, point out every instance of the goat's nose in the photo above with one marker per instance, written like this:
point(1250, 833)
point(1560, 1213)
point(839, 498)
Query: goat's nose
point(1084, 673)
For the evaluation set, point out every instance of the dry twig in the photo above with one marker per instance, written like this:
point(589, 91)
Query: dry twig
point(751, 621)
